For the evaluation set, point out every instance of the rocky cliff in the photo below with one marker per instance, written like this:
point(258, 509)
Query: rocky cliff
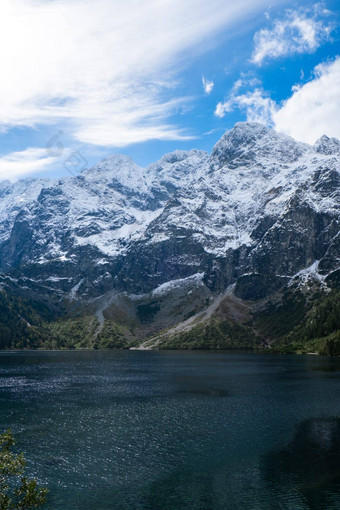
point(148, 248)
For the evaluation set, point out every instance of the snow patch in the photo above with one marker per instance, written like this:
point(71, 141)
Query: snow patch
point(307, 274)
point(165, 288)
point(74, 290)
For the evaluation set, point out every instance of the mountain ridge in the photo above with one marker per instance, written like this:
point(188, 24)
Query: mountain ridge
point(259, 214)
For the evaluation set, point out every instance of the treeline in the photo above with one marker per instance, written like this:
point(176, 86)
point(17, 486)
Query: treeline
point(295, 323)
point(324, 318)
point(27, 324)
point(314, 327)
point(85, 332)
point(21, 324)
point(213, 335)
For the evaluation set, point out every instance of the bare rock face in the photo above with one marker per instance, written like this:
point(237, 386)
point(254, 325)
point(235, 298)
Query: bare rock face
point(257, 212)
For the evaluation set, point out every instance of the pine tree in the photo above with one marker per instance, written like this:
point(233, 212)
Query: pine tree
point(17, 492)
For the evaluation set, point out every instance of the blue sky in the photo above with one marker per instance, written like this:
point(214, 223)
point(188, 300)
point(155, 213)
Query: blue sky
point(82, 79)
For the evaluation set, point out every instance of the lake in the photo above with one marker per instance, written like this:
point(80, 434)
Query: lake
point(176, 430)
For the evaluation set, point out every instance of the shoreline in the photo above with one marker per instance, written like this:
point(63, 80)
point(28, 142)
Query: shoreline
point(214, 351)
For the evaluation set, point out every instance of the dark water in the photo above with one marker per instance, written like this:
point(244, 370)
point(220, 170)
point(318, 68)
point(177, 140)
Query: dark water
point(184, 431)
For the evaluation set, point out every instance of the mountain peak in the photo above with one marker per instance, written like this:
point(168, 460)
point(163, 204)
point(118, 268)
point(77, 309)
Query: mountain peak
point(114, 162)
point(117, 167)
point(326, 145)
point(178, 156)
point(251, 128)
point(251, 142)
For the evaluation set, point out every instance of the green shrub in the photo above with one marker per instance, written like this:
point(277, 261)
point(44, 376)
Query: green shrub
point(17, 492)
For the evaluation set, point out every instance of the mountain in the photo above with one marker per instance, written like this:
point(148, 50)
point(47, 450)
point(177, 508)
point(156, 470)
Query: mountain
point(144, 255)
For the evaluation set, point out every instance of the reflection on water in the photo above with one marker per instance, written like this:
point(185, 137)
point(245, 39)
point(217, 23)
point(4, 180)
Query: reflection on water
point(200, 385)
point(191, 489)
point(327, 365)
point(310, 464)
point(176, 431)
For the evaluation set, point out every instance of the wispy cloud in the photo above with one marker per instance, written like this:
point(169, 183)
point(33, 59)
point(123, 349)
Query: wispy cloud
point(19, 164)
point(207, 85)
point(104, 69)
point(299, 31)
point(255, 103)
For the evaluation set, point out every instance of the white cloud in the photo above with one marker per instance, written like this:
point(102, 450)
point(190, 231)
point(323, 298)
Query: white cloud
point(207, 85)
point(105, 69)
point(301, 31)
point(255, 103)
point(18, 164)
point(314, 108)
point(312, 111)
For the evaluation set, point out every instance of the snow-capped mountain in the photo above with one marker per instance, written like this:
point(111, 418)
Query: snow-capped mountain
point(261, 210)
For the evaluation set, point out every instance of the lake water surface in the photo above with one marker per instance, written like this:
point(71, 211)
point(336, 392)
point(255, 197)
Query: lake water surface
point(176, 430)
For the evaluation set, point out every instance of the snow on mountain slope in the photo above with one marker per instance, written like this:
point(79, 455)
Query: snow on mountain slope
point(106, 207)
point(253, 174)
point(260, 204)
point(15, 198)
